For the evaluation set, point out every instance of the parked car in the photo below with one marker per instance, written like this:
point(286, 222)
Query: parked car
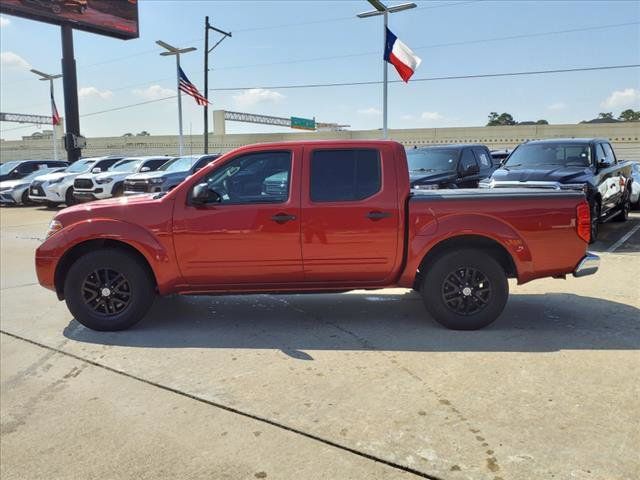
point(101, 185)
point(499, 156)
point(57, 188)
point(18, 169)
point(587, 164)
point(448, 166)
point(167, 176)
point(634, 198)
point(347, 219)
point(16, 192)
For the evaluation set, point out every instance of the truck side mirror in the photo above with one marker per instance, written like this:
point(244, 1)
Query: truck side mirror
point(203, 195)
point(96, 170)
point(145, 169)
point(603, 163)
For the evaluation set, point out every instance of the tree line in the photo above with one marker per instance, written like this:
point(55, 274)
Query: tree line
point(628, 115)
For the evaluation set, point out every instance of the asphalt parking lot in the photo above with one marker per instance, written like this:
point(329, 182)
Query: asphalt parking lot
point(358, 385)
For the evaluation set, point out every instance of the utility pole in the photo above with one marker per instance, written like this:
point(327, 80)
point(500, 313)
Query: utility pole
point(45, 77)
point(70, 86)
point(207, 50)
point(382, 9)
point(171, 50)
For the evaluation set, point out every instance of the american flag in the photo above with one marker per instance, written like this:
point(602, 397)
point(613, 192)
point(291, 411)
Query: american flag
point(190, 89)
point(55, 116)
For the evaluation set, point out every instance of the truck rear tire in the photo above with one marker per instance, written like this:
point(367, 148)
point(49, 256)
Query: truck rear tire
point(108, 290)
point(465, 289)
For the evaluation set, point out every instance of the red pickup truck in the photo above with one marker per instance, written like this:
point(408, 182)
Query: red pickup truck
point(312, 216)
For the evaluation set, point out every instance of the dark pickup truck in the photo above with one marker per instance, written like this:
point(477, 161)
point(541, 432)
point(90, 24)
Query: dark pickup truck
point(587, 164)
point(448, 166)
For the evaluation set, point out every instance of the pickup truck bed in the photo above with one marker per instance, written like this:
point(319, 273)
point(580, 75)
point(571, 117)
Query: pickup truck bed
point(340, 217)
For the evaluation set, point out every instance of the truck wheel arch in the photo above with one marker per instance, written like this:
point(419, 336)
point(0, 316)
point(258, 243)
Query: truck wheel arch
point(477, 242)
point(91, 245)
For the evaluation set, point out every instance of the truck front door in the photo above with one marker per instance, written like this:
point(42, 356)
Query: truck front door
point(350, 215)
point(252, 236)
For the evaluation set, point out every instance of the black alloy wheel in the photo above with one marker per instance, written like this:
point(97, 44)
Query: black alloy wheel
point(466, 291)
point(106, 291)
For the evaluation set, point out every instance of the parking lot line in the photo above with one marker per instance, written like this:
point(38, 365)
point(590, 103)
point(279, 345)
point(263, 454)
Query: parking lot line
point(252, 416)
point(623, 239)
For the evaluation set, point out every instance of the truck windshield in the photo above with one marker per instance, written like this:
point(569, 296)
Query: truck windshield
point(435, 159)
point(126, 165)
point(80, 166)
point(566, 155)
point(179, 164)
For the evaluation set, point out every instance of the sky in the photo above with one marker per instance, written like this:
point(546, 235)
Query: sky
point(279, 43)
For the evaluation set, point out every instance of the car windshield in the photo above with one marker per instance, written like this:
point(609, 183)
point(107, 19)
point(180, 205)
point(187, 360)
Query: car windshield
point(565, 155)
point(178, 164)
point(436, 159)
point(7, 167)
point(80, 166)
point(126, 165)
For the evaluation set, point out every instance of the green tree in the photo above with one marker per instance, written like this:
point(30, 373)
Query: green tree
point(629, 115)
point(607, 115)
point(542, 122)
point(502, 119)
point(128, 134)
point(143, 133)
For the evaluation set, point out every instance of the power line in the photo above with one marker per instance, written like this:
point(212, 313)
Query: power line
point(375, 82)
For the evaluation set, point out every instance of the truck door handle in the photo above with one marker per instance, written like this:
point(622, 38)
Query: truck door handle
point(378, 215)
point(282, 218)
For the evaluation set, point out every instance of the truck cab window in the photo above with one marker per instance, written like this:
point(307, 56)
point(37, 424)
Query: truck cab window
point(253, 178)
point(609, 155)
point(467, 161)
point(344, 175)
point(483, 158)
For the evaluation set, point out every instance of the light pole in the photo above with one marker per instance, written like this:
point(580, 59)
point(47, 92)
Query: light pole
point(176, 51)
point(207, 51)
point(45, 77)
point(382, 9)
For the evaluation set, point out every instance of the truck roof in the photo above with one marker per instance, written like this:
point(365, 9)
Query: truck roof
point(447, 145)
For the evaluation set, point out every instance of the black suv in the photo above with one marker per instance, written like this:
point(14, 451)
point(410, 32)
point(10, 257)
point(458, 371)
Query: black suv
point(21, 168)
point(448, 166)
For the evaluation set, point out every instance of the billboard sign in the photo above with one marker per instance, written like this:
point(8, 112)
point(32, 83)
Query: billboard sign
point(114, 18)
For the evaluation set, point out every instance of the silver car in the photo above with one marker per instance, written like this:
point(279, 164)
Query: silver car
point(16, 192)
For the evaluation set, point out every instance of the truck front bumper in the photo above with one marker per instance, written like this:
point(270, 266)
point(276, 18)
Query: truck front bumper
point(587, 266)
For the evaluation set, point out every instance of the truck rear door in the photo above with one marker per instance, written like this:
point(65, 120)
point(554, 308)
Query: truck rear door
point(350, 214)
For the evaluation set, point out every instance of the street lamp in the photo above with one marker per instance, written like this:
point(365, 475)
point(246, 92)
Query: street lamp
point(45, 77)
point(382, 9)
point(171, 50)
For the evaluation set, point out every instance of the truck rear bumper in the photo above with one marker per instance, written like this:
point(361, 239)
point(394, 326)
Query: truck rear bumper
point(587, 266)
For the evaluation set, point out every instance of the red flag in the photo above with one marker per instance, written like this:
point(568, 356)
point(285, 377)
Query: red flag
point(55, 116)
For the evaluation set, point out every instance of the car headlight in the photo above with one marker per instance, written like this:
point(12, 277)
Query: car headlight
point(55, 180)
point(157, 181)
point(427, 187)
point(100, 181)
point(54, 227)
point(4, 189)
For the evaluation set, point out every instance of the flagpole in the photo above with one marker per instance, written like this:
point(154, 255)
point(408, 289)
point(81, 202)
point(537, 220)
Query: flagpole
point(53, 125)
point(384, 75)
point(179, 103)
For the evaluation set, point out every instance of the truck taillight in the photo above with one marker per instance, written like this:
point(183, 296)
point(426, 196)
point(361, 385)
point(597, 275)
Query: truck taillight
point(583, 226)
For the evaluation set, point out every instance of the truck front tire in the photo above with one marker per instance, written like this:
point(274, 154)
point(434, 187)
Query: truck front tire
point(465, 289)
point(108, 290)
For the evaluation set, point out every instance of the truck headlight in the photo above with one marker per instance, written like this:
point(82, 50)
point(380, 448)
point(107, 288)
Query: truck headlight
point(54, 227)
point(157, 181)
point(101, 181)
point(56, 180)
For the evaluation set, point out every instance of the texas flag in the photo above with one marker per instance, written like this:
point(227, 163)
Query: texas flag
point(400, 56)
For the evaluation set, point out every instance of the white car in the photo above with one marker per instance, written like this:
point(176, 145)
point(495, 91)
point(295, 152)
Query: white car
point(57, 188)
point(634, 198)
point(101, 185)
point(16, 192)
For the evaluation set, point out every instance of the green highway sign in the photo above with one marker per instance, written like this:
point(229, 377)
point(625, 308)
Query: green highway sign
point(303, 123)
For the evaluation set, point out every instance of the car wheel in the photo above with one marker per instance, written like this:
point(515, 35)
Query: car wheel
point(623, 215)
point(595, 221)
point(108, 290)
point(465, 290)
point(68, 197)
point(118, 190)
point(51, 204)
point(25, 198)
